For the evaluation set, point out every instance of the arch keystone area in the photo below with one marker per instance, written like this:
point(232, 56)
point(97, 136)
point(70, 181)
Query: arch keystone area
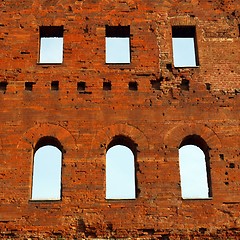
point(31, 136)
point(105, 135)
point(174, 136)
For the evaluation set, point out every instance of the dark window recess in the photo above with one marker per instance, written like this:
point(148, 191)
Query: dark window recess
point(29, 86)
point(55, 85)
point(3, 86)
point(133, 86)
point(118, 31)
point(51, 31)
point(107, 86)
point(183, 31)
point(81, 86)
point(184, 85)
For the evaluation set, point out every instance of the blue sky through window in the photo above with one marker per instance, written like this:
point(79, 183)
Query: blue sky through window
point(117, 50)
point(184, 52)
point(120, 173)
point(47, 167)
point(193, 172)
point(51, 50)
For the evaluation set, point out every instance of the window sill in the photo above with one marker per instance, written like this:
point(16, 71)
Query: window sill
point(44, 64)
point(45, 201)
point(119, 65)
point(186, 67)
point(197, 199)
point(121, 200)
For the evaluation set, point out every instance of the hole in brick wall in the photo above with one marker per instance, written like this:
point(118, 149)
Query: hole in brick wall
point(231, 165)
point(81, 86)
point(155, 84)
point(165, 237)
point(208, 86)
point(202, 230)
point(169, 66)
point(55, 85)
point(184, 85)
point(107, 86)
point(3, 86)
point(221, 156)
point(133, 86)
point(29, 86)
point(149, 231)
point(81, 225)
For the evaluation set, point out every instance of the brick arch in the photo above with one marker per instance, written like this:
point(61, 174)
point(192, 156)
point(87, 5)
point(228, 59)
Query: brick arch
point(174, 137)
point(31, 137)
point(105, 136)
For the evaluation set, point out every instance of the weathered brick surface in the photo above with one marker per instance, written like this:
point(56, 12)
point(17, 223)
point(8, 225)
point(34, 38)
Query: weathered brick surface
point(155, 119)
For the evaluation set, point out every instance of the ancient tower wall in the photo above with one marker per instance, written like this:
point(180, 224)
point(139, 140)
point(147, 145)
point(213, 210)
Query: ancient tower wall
point(151, 102)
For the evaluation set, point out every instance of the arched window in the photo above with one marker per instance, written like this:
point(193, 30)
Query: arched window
point(120, 169)
point(194, 168)
point(47, 168)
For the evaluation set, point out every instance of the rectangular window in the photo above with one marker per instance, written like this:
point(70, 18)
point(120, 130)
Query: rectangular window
point(184, 46)
point(118, 44)
point(51, 44)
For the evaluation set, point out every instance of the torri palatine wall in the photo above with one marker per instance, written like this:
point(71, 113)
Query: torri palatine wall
point(84, 105)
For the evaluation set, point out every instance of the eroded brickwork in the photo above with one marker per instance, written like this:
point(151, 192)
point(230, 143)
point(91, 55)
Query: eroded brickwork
point(156, 116)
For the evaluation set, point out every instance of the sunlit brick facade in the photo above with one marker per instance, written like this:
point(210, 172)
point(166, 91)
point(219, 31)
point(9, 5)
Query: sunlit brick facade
point(85, 103)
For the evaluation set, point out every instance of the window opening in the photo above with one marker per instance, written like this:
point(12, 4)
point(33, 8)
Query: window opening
point(194, 170)
point(55, 85)
point(47, 164)
point(51, 44)
point(117, 44)
point(120, 172)
point(184, 46)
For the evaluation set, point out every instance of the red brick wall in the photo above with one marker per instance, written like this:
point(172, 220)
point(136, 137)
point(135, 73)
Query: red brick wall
point(157, 120)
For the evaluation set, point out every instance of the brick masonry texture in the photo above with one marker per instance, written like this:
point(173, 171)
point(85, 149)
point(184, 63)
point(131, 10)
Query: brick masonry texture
point(157, 117)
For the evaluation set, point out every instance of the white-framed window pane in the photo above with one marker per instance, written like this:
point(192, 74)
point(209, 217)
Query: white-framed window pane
point(193, 172)
point(120, 173)
point(117, 50)
point(51, 50)
point(184, 52)
point(47, 166)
